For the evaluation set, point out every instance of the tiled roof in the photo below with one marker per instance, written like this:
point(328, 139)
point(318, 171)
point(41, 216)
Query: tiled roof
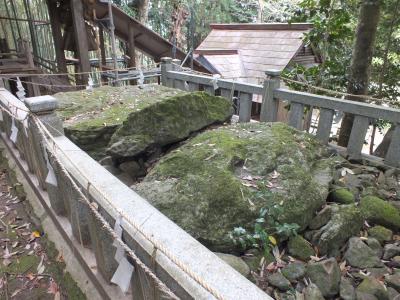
point(259, 46)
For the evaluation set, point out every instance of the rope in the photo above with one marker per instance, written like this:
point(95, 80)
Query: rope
point(77, 85)
point(131, 222)
point(73, 73)
point(306, 84)
point(156, 244)
point(108, 228)
point(83, 198)
point(364, 97)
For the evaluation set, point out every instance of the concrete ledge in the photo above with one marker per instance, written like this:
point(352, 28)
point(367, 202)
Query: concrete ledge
point(41, 104)
point(205, 264)
point(80, 261)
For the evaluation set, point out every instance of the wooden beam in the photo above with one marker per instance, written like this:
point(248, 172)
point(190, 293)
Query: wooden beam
point(81, 39)
point(57, 36)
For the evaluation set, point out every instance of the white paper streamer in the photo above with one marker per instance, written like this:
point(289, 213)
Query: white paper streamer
point(123, 275)
point(21, 90)
point(14, 132)
point(1, 115)
point(119, 253)
point(89, 87)
point(51, 176)
point(214, 81)
point(141, 78)
point(25, 123)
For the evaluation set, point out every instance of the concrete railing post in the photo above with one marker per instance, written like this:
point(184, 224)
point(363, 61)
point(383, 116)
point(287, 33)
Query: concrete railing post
point(269, 107)
point(166, 66)
point(44, 109)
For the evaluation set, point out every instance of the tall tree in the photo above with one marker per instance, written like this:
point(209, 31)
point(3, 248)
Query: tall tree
point(361, 60)
point(143, 11)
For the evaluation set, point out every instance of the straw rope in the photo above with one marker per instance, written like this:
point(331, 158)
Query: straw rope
point(82, 198)
point(156, 244)
point(73, 73)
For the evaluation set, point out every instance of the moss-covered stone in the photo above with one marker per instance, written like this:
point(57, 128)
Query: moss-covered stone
point(381, 233)
point(167, 122)
point(345, 222)
point(92, 117)
point(300, 248)
point(221, 179)
point(380, 212)
point(372, 287)
point(342, 195)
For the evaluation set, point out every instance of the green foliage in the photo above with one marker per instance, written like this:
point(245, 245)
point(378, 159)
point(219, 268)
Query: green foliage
point(266, 227)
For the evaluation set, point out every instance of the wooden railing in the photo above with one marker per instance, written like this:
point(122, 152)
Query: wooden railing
point(271, 92)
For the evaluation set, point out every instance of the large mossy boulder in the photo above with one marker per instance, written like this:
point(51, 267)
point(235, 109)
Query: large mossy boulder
point(166, 122)
point(130, 119)
point(221, 179)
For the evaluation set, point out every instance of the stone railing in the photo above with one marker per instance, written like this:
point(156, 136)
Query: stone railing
point(104, 220)
point(272, 94)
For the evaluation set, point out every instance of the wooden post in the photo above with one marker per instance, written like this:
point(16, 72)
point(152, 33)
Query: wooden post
point(166, 66)
point(269, 107)
point(57, 36)
point(81, 39)
point(131, 51)
point(102, 48)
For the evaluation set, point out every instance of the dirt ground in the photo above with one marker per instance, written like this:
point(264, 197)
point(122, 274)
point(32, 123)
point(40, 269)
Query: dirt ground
point(30, 266)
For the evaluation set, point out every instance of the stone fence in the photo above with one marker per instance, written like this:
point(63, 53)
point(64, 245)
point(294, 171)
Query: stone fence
point(173, 76)
point(116, 235)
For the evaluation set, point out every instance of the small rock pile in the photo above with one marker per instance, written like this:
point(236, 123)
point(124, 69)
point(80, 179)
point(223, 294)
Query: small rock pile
point(350, 250)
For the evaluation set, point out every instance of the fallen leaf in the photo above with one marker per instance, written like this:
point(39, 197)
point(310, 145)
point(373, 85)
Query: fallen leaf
point(40, 268)
point(36, 234)
point(272, 240)
point(16, 292)
point(53, 287)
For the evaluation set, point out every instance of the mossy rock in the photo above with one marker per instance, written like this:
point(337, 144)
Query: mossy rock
point(372, 287)
point(378, 211)
point(221, 179)
point(342, 196)
point(345, 222)
point(300, 248)
point(166, 122)
point(380, 233)
point(91, 117)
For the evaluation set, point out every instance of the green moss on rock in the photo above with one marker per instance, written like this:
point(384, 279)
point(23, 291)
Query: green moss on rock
point(380, 233)
point(342, 195)
point(92, 117)
point(380, 212)
point(300, 248)
point(221, 178)
point(168, 121)
point(345, 222)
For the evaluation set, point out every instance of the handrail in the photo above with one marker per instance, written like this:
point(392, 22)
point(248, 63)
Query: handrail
point(353, 107)
point(185, 266)
point(272, 96)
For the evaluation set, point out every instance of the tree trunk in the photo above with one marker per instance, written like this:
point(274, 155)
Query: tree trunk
point(179, 16)
point(383, 147)
point(260, 11)
point(143, 11)
point(361, 60)
point(142, 16)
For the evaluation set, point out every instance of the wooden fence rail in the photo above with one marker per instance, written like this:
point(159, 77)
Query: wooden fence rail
point(271, 93)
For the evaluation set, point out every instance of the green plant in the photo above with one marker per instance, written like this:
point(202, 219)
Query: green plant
point(266, 227)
